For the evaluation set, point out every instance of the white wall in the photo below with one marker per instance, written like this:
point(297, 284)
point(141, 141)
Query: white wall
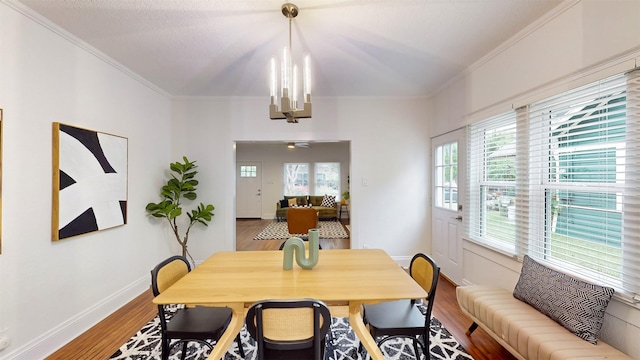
point(589, 40)
point(389, 151)
point(274, 156)
point(52, 292)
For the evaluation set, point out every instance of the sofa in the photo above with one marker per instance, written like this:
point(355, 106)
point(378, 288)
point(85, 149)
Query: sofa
point(315, 202)
point(548, 316)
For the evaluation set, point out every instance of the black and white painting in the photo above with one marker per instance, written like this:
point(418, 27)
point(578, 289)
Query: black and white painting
point(90, 181)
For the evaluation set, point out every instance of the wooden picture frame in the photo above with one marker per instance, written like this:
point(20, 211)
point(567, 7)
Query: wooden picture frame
point(89, 181)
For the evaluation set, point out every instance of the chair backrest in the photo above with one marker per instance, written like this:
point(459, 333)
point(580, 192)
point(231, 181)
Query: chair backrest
point(289, 325)
point(426, 273)
point(164, 275)
point(168, 272)
point(300, 220)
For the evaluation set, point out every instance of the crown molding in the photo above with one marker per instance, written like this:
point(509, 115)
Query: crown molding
point(54, 28)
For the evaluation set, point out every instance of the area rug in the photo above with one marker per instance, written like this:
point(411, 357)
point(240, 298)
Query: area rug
point(341, 344)
point(278, 230)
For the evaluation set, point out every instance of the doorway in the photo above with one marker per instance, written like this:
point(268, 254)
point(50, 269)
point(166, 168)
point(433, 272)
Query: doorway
point(249, 189)
point(448, 153)
point(271, 157)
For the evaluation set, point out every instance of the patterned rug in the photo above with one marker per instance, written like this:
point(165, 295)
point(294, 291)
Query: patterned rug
point(342, 344)
point(278, 230)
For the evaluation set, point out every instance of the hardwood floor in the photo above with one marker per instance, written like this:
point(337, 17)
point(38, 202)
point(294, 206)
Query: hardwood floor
point(102, 340)
point(247, 229)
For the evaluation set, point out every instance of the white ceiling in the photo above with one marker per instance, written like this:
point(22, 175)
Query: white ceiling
point(357, 47)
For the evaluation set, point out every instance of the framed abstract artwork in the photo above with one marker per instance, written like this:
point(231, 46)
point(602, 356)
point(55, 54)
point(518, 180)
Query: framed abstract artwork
point(89, 181)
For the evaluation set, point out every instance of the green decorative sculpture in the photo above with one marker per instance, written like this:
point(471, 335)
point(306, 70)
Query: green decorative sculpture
point(295, 244)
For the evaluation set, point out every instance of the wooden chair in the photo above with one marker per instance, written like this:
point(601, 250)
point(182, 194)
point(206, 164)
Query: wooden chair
point(300, 220)
point(289, 329)
point(403, 318)
point(198, 323)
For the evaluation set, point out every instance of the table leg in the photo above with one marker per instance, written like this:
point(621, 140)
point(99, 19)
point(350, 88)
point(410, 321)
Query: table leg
point(355, 320)
point(229, 335)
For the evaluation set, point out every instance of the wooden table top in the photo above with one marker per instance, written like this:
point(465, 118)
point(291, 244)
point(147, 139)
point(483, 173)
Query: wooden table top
point(364, 275)
point(236, 279)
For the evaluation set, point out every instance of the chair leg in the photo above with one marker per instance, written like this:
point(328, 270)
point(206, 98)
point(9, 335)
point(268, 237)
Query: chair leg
point(472, 328)
point(184, 350)
point(415, 349)
point(164, 351)
point(240, 349)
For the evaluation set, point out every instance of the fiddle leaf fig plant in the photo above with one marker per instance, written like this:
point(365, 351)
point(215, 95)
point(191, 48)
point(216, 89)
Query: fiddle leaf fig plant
point(182, 184)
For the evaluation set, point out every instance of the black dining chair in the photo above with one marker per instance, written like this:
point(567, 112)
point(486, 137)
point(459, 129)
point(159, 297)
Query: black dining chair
point(200, 323)
point(403, 318)
point(289, 329)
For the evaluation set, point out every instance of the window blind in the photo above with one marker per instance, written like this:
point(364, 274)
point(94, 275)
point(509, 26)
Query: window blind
point(491, 182)
point(583, 206)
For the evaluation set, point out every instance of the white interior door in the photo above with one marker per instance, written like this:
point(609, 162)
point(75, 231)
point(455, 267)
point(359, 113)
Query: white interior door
point(248, 189)
point(448, 155)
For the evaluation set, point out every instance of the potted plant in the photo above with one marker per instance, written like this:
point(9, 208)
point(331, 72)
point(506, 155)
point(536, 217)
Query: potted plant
point(182, 184)
point(345, 197)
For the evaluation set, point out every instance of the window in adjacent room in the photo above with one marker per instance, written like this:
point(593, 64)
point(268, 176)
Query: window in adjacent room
point(327, 179)
point(296, 179)
point(248, 171)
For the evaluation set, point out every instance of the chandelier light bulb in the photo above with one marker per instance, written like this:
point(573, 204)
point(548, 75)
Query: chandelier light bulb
point(273, 82)
point(307, 77)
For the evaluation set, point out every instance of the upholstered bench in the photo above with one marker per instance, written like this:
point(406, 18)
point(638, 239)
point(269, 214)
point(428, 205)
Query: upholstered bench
point(568, 331)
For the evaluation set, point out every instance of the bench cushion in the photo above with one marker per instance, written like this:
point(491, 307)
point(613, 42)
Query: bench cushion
point(524, 331)
point(574, 304)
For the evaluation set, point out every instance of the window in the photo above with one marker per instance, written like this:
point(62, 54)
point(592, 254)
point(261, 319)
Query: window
point(248, 171)
point(557, 180)
point(578, 179)
point(327, 179)
point(296, 179)
point(446, 176)
point(492, 175)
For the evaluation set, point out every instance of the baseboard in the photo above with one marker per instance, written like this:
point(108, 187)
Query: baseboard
point(403, 261)
point(49, 342)
point(466, 282)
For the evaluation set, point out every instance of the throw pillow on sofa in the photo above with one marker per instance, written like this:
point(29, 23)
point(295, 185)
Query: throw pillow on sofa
point(301, 206)
point(574, 304)
point(328, 201)
point(284, 203)
point(293, 202)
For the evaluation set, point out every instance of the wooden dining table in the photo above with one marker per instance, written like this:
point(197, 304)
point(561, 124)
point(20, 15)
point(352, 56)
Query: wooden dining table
point(240, 278)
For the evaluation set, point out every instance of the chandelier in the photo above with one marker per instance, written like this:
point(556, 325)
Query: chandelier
point(289, 91)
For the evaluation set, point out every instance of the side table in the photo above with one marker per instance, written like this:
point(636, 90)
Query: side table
point(346, 208)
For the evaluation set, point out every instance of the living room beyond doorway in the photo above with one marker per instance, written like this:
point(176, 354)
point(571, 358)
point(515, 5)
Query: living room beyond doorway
point(247, 229)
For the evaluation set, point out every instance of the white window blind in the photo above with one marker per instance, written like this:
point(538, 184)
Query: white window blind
point(559, 180)
point(491, 182)
point(579, 162)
